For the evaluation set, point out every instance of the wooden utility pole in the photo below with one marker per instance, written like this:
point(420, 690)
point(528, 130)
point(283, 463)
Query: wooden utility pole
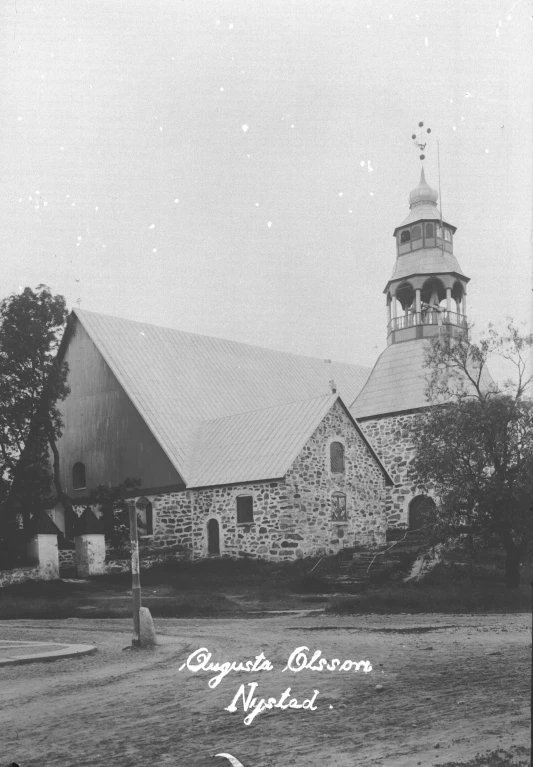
point(135, 575)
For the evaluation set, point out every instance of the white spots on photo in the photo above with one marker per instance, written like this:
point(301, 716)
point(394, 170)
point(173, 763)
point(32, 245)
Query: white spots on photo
point(62, 148)
point(103, 246)
point(79, 237)
point(426, 42)
point(468, 95)
point(20, 199)
point(242, 71)
point(371, 194)
point(486, 151)
point(19, 118)
point(248, 156)
point(30, 198)
point(176, 201)
point(52, 55)
point(97, 209)
point(142, 334)
point(154, 250)
point(368, 26)
point(217, 22)
point(152, 226)
point(45, 203)
point(222, 90)
point(350, 211)
point(244, 128)
point(417, 17)
point(292, 126)
point(160, 129)
point(341, 194)
point(256, 204)
point(269, 224)
point(230, 26)
point(362, 163)
point(67, 196)
point(454, 127)
point(369, 166)
point(72, 204)
point(462, 119)
point(77, 244)
point(390, 16)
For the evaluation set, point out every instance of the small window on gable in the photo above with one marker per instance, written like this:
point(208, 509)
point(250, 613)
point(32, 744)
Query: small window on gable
point(339, 512)
point(405, 236)
point(78, 476)
point(430, 230)
point(336, 456)
point(145, 517)
point(245, 509)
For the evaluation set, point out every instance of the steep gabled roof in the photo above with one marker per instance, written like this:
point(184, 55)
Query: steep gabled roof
point(262, 444)
point(177, 381)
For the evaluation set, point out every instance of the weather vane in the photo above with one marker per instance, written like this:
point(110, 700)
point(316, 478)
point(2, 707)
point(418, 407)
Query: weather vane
point(420, 139)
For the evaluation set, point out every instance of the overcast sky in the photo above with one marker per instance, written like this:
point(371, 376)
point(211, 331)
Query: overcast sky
point(237, 168)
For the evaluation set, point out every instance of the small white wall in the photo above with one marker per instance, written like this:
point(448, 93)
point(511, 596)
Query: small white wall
point(42, 549)
point(90, 554)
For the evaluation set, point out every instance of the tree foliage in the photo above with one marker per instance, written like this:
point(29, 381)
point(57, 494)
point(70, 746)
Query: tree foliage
point(474, 447)
point(115, 514)
point(32, 382)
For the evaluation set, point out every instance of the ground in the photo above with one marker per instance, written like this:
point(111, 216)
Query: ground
point(453, 685)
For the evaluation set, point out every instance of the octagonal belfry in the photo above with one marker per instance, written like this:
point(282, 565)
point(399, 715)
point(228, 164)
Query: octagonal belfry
point(427, 288)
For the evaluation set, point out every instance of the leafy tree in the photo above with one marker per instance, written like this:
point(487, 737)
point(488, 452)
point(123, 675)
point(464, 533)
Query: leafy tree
point(474, 448)
point(115, 513)
point(32, 382)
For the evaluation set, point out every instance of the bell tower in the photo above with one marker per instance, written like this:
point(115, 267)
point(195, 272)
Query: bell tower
point(427, 290)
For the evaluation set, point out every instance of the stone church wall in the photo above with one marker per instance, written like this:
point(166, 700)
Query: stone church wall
point(292, 516)
point(390, 438)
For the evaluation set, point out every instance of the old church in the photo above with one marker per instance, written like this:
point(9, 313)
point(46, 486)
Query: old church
point(247, 451)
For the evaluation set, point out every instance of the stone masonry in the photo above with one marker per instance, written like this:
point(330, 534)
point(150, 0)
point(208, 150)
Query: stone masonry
point(390, 438)
point(293, 515)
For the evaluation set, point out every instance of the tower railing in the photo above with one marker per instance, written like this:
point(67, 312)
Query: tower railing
point(442, 317)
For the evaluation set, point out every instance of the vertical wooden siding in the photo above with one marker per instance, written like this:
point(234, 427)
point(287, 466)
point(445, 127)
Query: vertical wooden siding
point(102, 428)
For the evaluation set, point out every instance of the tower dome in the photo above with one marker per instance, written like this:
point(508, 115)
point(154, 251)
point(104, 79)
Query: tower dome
point(423, 193)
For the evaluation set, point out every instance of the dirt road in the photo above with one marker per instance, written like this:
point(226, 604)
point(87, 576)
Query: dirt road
point(461, 682)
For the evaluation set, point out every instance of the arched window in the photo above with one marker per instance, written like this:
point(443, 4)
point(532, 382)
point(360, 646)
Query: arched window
point(78, 476)
point(447, 235)
point(338, 507)
point(430, 230)
point(416, 233)
point(245, 509)
point(336, 456)
point(145, 516)
point(405, 236)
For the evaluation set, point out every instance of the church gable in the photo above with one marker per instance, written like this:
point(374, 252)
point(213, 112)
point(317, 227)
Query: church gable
point(104, 438)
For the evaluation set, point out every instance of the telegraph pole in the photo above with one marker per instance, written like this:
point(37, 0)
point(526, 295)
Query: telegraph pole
point(135, 575)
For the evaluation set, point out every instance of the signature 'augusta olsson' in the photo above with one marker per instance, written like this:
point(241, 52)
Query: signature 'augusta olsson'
point(299, 660)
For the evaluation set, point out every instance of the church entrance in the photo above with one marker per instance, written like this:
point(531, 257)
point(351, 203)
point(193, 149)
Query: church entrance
point(421, 511)
point(213, 537)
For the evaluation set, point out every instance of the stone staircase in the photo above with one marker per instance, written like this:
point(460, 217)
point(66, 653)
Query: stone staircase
point(356, 568)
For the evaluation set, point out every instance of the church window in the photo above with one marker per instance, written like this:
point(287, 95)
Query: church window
point(338, 507)
point(78, 476)
point(145, 517)
point(430, 230)
point(336, 456)
point(416, 233)
point(439, 231)
point(405, 236)
point(245, 509)
point(447, 235)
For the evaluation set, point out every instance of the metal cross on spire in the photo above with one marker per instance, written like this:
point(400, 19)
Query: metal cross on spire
point(420, 139)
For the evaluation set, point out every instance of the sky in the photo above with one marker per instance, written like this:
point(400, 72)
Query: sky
point(237, 168)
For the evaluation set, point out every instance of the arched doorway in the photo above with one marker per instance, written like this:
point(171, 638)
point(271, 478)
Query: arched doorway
point(213, 537)
point(421, 511)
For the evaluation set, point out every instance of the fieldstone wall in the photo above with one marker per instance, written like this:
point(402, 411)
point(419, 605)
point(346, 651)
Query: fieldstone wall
point(390, 438)
point(172, 519)
point(293, 516)
point(19, 575)
point(67, 558)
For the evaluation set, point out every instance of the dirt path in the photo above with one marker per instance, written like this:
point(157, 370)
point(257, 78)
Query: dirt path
point(464, 686)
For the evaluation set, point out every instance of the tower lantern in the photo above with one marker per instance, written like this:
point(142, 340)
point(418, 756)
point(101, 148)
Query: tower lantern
point(427, 289)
